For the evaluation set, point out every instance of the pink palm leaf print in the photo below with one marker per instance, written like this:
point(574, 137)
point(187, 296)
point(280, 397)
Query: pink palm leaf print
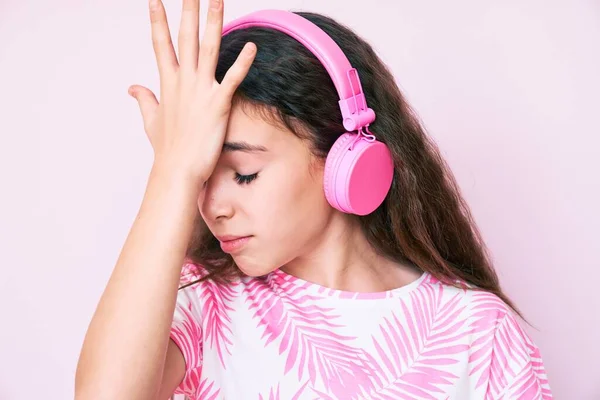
point(413, 353)
point(216, 300)
point(488, 311)
point(188, 336)
point(274, 393)
point(205, 390)
point(507, 358)
point(306, 335)
point(527, 387)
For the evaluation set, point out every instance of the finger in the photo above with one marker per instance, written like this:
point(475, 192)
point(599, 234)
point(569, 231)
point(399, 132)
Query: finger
point(238, 71)
point(161, 40)
point(188, 35)
point(211, 41)
point(146, 100)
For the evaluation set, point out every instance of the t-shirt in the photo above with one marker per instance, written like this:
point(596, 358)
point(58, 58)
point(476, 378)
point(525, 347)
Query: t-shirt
point(281, 337)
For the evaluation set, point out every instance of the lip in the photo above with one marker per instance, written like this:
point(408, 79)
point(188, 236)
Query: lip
point(229, 238)
point(231, 243)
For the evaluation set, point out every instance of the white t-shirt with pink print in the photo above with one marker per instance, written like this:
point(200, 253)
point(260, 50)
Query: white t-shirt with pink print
point(282, 338)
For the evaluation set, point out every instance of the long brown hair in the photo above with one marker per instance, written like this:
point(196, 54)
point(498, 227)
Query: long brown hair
point(424, 220)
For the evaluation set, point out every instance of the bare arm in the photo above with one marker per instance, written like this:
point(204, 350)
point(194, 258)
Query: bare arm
point(173, 372)
point(124, 353)
point(126, 343)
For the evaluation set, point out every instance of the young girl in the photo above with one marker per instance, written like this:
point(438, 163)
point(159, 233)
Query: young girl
point(247, 273)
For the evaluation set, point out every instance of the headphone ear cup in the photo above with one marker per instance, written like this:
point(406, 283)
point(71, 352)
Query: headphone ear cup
point(357, 179)
point(332, 166)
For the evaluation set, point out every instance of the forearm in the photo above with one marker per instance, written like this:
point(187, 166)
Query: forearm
point(125, 346)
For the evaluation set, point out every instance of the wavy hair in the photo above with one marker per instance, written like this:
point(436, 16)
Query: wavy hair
point(424, 219)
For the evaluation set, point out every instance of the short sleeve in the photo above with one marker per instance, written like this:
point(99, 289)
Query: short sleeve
point(517, 370)
point(186, 332)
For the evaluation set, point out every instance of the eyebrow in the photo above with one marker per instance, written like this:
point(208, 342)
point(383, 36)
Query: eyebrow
point(243, 146)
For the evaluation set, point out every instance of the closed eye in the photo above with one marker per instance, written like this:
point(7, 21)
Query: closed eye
point(245, 179)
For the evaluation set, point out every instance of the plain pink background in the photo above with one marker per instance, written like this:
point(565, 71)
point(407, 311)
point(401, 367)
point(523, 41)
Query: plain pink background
point(510, 91)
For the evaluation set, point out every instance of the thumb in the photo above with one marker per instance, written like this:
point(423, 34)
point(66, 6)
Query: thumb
point(146, 100)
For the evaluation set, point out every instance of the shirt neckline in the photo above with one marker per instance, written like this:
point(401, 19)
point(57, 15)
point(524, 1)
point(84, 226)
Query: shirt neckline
point(292, 284)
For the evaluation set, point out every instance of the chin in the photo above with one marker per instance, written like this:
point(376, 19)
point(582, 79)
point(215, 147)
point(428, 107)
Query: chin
point(253, 267)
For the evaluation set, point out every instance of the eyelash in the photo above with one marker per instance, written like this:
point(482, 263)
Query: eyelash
point(245, 179)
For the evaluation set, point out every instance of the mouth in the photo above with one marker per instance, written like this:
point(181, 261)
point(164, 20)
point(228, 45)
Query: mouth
point(229, 238)
point(231, 244)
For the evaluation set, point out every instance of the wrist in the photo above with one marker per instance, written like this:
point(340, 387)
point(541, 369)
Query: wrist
point(178, 175)
point(175, 180)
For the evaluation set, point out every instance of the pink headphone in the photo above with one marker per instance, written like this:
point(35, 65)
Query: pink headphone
point(359, 169)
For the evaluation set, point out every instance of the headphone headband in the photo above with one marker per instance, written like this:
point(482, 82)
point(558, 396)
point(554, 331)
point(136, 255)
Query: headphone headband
point(353, 105)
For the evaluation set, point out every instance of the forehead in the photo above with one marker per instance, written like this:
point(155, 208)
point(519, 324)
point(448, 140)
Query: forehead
point(253, 127)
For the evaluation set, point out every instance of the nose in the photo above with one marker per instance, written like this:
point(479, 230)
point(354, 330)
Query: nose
point(214, 202)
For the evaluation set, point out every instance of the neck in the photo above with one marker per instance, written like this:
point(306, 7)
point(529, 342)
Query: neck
point(341, 258)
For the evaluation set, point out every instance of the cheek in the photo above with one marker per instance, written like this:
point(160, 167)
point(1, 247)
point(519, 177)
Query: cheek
point(296, 207)
point(288, 215)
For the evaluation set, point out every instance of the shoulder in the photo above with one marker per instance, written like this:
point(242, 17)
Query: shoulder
point(202, 301)
point(502, 354)
point(481, 305)
point(479, 313)
point(203, 292)
point(482, 312)
point(191, 273)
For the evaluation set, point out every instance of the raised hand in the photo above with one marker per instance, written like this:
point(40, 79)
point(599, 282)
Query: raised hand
point(187, 127)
